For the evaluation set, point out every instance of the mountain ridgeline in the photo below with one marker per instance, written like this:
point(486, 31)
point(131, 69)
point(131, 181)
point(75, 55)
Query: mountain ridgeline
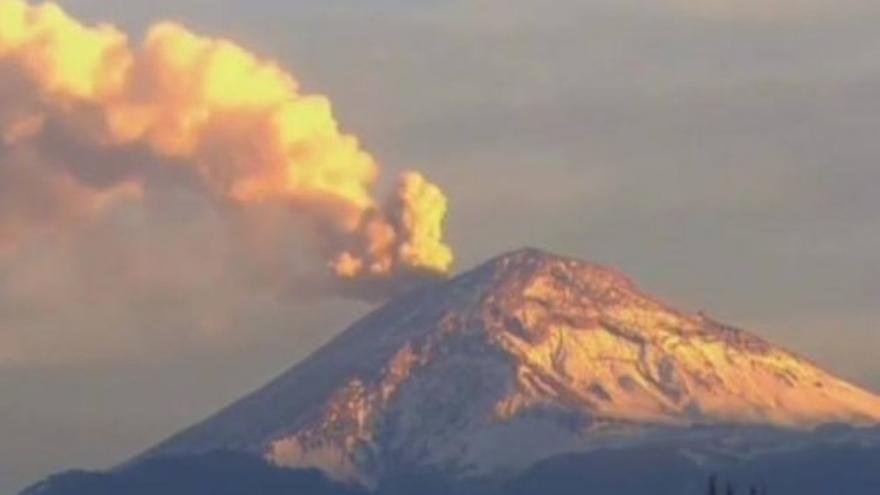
point(537, 373)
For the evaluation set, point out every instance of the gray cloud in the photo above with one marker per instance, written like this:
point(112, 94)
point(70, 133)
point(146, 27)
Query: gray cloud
point(773, 10)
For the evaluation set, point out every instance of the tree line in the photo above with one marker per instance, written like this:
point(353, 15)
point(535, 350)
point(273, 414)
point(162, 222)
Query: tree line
point(716, 487)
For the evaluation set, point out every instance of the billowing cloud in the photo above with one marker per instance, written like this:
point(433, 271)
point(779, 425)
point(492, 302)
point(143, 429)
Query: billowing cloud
point(238, 126)
point(36, 197)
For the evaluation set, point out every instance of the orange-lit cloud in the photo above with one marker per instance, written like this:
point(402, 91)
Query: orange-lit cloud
point(239, 123)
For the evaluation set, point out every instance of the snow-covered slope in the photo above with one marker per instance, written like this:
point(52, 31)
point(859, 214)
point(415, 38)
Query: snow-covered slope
point(527, 356)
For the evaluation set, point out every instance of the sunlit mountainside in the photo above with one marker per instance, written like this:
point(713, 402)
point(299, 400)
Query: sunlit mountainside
point(532, 373)
point(525, 357)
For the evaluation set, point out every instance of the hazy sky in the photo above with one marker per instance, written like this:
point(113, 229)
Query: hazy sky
point(723, 153)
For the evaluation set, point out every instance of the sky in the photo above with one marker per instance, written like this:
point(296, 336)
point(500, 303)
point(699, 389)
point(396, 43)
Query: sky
point(722, 153)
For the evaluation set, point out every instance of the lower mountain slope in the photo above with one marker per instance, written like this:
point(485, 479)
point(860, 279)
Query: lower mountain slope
point(743, 460)
point(218, 473)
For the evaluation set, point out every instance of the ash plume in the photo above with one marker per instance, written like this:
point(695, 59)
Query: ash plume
point(239, 125)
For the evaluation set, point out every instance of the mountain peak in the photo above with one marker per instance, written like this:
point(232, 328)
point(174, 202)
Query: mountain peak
point(526, 256)
point(526, 269)
point(529, 260)
point(529, 348)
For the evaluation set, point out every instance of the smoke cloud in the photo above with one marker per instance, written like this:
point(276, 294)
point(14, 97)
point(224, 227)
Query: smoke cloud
point(238, 126)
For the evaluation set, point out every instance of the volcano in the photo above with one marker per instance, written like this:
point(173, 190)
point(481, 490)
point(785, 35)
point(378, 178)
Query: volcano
point(528, 356)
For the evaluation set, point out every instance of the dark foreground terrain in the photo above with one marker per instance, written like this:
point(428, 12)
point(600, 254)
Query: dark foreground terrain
point(847, 468)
